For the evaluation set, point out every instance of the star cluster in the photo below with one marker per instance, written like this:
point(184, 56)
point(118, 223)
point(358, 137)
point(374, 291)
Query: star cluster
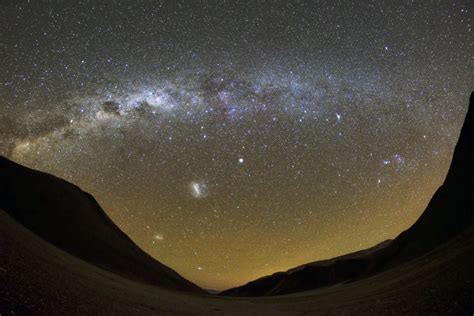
point(235, 139)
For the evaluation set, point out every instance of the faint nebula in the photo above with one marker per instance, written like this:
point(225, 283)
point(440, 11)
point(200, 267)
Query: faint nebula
point(198, 189)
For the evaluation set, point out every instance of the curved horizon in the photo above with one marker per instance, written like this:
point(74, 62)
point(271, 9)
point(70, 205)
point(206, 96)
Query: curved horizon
point(234, 140)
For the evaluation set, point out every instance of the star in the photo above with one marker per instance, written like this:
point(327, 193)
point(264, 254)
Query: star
point(276, 130)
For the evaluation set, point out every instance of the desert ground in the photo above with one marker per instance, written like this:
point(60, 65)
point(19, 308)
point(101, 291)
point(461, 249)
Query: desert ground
point(39, 278)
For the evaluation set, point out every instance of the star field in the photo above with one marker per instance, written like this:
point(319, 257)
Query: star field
point(231, 140)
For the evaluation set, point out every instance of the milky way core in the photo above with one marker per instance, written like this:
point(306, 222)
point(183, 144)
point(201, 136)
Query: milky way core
point(231, 140)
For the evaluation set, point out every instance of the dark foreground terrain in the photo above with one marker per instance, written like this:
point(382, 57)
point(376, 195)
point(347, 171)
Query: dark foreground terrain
point(71, 219)
point(449, 212)
point(38, 278)
point(49, 265)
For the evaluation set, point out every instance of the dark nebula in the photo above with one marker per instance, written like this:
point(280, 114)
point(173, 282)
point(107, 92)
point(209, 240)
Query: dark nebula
point(231, 140)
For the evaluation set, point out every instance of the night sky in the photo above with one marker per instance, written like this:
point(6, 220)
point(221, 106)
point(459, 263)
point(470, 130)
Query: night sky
point(231, 140)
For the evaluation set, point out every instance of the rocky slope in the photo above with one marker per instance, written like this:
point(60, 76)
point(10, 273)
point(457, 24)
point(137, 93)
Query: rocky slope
point(450, 212)
point(70, 219)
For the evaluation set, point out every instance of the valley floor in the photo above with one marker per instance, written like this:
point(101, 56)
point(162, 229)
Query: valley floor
point(37, 278)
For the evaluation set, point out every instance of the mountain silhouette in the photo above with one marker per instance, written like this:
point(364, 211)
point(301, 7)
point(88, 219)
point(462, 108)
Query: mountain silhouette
point(449, 213)
point(71, 219)
point(61, 255)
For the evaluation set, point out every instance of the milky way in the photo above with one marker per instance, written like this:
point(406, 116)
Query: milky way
point(233, 140)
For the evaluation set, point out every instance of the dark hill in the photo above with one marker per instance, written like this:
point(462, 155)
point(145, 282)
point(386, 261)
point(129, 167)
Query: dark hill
point(399, 277)
point(449, 213)
point(72, 220)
